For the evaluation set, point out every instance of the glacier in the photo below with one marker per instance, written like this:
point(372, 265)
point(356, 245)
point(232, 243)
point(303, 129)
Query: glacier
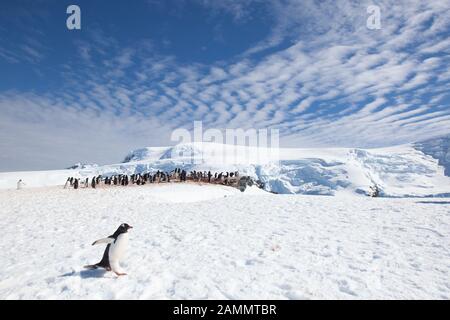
point(439, 149)
point(419, 169)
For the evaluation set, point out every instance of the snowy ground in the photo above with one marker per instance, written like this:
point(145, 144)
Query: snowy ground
point(206, 242)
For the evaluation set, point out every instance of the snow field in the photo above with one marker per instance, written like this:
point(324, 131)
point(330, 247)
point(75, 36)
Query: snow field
point(213, 242)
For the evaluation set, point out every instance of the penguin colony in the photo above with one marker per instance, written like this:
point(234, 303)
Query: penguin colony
point(177, 175)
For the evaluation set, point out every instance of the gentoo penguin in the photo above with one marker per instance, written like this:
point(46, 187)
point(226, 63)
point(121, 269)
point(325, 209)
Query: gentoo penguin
point(116, 245)
point(20, 184)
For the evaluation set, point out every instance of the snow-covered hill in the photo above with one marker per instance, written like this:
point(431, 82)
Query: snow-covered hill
point(226, 245)
point(80, 165)
point(438, 148)
point(420, 169)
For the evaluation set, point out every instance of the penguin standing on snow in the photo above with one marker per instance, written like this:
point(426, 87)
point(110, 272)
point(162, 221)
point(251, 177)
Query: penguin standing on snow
point(116, 245)
point(20, 184)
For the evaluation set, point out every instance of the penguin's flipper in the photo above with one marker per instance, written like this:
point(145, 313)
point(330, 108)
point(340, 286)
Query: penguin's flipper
point(104, 240)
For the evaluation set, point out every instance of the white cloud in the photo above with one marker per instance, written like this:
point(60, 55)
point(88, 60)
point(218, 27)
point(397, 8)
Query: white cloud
point(337, 84)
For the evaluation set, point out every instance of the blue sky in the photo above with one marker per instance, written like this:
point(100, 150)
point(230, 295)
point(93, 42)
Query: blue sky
point(137, 70)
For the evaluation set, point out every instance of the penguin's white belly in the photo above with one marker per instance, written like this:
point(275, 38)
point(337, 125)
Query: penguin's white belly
point(117, 248)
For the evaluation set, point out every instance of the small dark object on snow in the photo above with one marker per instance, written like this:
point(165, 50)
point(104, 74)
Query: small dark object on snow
point(374, 191)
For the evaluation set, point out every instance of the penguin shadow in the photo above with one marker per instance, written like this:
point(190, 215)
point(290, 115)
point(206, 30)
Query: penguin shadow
point(433, 202)
point(86, 274)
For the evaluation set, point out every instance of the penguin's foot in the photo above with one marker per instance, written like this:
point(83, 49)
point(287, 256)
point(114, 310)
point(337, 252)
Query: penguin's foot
point(120, 273)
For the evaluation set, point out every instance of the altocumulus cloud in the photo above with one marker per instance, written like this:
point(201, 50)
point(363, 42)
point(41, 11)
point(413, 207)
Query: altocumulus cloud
point(320, 76)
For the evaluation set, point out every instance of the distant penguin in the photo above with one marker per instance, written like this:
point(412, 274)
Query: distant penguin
point(114, 251)
point(20, 184)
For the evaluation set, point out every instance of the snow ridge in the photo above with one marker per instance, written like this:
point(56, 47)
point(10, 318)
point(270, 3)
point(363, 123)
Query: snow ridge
point(414, 170)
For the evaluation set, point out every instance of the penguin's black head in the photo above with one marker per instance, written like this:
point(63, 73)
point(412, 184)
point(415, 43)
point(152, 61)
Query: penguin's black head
point(124, 227)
